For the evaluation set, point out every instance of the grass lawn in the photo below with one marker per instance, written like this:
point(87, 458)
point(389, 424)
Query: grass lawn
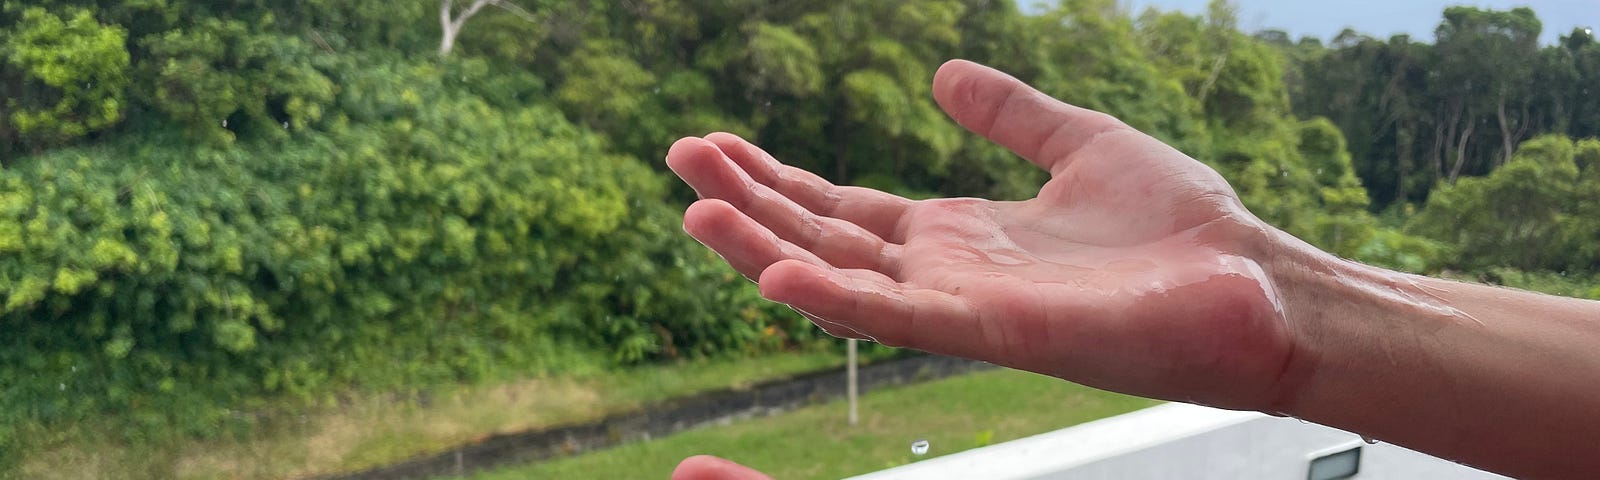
point(953, 414)
point(379, 429)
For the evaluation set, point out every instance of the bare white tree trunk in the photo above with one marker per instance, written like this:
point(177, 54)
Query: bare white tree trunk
point(1461, 152)
point(1509, 139)
point(447, 29)
point(1508, 145)
point(1211, 79)
point(452, 26)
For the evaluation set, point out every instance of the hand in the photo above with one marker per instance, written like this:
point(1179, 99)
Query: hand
point(1134, 269)
point(706, 467)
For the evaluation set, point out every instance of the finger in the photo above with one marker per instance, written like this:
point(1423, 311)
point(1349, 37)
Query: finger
point(1043, 130)
point(877, 211)
point(750, 249)
point(842, 330)
point(883, 311)
point(706, 467)
point(746, 245)
point(835, 329)
point(839, 242)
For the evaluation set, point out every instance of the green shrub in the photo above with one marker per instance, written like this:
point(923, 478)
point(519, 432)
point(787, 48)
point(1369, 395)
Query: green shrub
point(72, 71)
point(1574, 285)
point(421, 234)
point(1530, 214)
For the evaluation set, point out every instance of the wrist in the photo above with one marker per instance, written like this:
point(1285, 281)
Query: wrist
point(1353, 328)
point(1438, 366)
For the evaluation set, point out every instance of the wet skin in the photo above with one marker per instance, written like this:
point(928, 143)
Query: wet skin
point(1131, 270)
point(1137, 270)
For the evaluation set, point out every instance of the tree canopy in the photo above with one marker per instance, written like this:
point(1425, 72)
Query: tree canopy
point(1417, 114)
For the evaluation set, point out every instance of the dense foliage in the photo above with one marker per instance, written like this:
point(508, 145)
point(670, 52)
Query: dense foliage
point(1425, 120)
point(1523, 215)
point(408, 242)
point(1417, 114)
point(215, 207)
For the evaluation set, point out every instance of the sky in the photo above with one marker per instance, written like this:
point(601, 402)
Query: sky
point(1381, 18)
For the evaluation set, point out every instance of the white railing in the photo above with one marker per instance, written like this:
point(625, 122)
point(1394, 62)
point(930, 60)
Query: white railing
point(1185, 441)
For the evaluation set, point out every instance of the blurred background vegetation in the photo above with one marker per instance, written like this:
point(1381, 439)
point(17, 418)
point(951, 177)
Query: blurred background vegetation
point(212, 211)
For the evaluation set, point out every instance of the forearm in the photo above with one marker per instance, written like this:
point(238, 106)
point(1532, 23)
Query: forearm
point(1502, 379)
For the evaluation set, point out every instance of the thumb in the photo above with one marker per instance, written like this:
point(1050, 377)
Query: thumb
point(1041, 129)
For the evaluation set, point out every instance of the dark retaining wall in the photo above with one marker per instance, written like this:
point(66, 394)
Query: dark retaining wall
point(668, 417)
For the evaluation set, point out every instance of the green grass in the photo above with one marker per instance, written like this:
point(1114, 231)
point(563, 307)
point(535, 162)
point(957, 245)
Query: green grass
point(377, 429)
point(815, 442)
point(1576, 285)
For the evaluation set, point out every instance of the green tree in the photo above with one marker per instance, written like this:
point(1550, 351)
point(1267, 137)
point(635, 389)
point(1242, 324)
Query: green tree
point(70, 79)
point(1517, 216)
point(1376, 92)
point(218, 77)
point(1581, 226)
point(1342, 223)
point(881, 105)
point(1486, 66)
point(1092, 57)
point(1581, 52)
point(1418, 113)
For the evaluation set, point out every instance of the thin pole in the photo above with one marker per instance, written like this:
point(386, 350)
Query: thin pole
point(851, 390)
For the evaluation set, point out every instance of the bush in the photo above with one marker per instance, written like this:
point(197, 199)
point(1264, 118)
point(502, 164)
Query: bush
point(1529, 214)
point(72, 72)
point(421, 234)
point(1573, 285)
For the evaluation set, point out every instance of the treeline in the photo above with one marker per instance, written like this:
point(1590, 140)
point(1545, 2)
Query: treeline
point(1484, 99)
point(1417, 114)
point(215, 207)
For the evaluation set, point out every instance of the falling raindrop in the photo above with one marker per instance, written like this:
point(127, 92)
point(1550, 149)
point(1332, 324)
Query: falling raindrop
point(919, 447)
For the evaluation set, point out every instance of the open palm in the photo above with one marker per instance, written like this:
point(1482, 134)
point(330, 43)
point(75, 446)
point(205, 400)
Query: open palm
point(1133, 269)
